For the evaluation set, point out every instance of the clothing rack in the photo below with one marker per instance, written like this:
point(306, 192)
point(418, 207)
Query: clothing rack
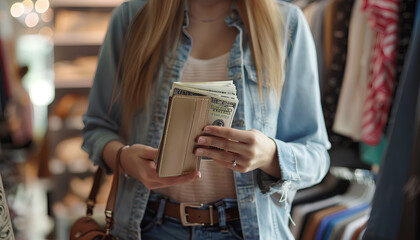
point(347, 41)
point(360, 176)
point(342, 215)
point(344, 37)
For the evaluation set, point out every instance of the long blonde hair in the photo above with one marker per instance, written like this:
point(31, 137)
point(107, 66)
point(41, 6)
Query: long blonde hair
point(158, 29)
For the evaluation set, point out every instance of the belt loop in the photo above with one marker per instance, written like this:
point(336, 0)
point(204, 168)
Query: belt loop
point(161, 210)
point(222, 215)
point(211, 215)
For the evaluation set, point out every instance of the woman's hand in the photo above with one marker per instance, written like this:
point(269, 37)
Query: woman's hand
point(137, 161)
point(252, 149)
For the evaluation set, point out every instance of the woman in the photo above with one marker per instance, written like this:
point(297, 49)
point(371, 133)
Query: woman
point(277, 143)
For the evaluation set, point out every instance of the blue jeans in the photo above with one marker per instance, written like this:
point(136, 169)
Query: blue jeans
point(156, 226)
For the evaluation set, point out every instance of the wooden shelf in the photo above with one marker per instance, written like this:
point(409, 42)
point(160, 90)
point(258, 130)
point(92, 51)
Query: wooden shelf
point(78, 39)
point(75, 42)
point(75, 83)
point(86, 3)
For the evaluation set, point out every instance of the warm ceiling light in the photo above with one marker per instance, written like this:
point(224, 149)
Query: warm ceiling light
point(17, 9)
point(42, 6)
point(31, 20)
point(47, 16)
point(29, 5)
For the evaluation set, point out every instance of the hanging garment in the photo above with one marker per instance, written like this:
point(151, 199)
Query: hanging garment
point(352, 227)
point(357, 233)
point(323, 229)
point(383, 18)
point(338, 229)
point(330, 10)
point(348, 118)
point(417, 17)
point(315, 220)
point(387, 202)
point(360, 237)
point(336, 23)
point(344, 151)
point(373, 155)
point(410, 218)
point(406, 14)
point(317, 28)
point(300, 213)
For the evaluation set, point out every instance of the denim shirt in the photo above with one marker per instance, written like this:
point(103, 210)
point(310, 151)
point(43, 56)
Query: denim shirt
point(296, 124)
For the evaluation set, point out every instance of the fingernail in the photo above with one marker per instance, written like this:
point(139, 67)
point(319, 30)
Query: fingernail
point(201, 140)
point(199, 174)
point(199, 151)
point(207, 130)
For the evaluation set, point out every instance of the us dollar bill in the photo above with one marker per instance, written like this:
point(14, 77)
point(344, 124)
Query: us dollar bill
point(220, 87)
point(223, 104)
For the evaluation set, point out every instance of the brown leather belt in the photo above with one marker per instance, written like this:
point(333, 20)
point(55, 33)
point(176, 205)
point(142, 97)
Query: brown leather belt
point(189, 215)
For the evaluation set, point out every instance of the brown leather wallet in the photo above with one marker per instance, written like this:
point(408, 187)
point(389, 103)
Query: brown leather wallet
point(185, 119)
point(189, 215)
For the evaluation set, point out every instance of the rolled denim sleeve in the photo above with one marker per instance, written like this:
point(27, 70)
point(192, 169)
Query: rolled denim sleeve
point(102, 124)
point(301, 137)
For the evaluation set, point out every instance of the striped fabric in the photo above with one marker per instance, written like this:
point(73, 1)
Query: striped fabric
point(206, 70)
point(383, 19)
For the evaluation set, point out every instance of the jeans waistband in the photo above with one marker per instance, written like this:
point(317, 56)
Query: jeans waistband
point(221, 206)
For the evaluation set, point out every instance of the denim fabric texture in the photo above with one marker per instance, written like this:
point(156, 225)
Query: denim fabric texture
point(296, 124)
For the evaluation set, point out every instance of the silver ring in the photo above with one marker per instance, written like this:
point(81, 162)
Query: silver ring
point(234, 161)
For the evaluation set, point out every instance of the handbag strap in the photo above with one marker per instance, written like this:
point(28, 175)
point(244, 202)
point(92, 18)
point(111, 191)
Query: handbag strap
point(93, 192)
point(109, 210)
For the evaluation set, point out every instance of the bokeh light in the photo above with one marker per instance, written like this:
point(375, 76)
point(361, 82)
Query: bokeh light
point(31, 20)
point(41, 93)
point(47, 16)
point(17, 9)
point(28, 5)
point(42, 6)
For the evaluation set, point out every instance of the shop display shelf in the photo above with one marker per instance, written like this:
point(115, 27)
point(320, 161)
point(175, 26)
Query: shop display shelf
point(74, 83)
point(86, 3)
point(78, 39)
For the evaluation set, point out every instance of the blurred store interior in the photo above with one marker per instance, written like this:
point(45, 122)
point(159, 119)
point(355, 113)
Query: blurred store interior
point(49, 52)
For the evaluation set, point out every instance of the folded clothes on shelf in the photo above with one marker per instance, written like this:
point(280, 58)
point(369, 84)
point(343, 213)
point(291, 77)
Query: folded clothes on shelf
point(82, 68)
point(71, 21)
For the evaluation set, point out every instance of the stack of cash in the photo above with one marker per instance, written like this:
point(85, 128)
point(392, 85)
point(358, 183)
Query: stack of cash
point(223, 98)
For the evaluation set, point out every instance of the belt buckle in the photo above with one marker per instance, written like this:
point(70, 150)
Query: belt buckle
point(184, 215)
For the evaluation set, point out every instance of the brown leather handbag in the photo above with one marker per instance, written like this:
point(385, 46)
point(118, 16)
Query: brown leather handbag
point(86, 228)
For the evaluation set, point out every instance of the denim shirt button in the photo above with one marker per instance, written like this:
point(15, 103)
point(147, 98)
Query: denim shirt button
point(241, 123)
point(250, 199)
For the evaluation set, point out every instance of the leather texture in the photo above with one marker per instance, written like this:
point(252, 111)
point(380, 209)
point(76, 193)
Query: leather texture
point(195, 215)
point(185, 119)
point(86, 228)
